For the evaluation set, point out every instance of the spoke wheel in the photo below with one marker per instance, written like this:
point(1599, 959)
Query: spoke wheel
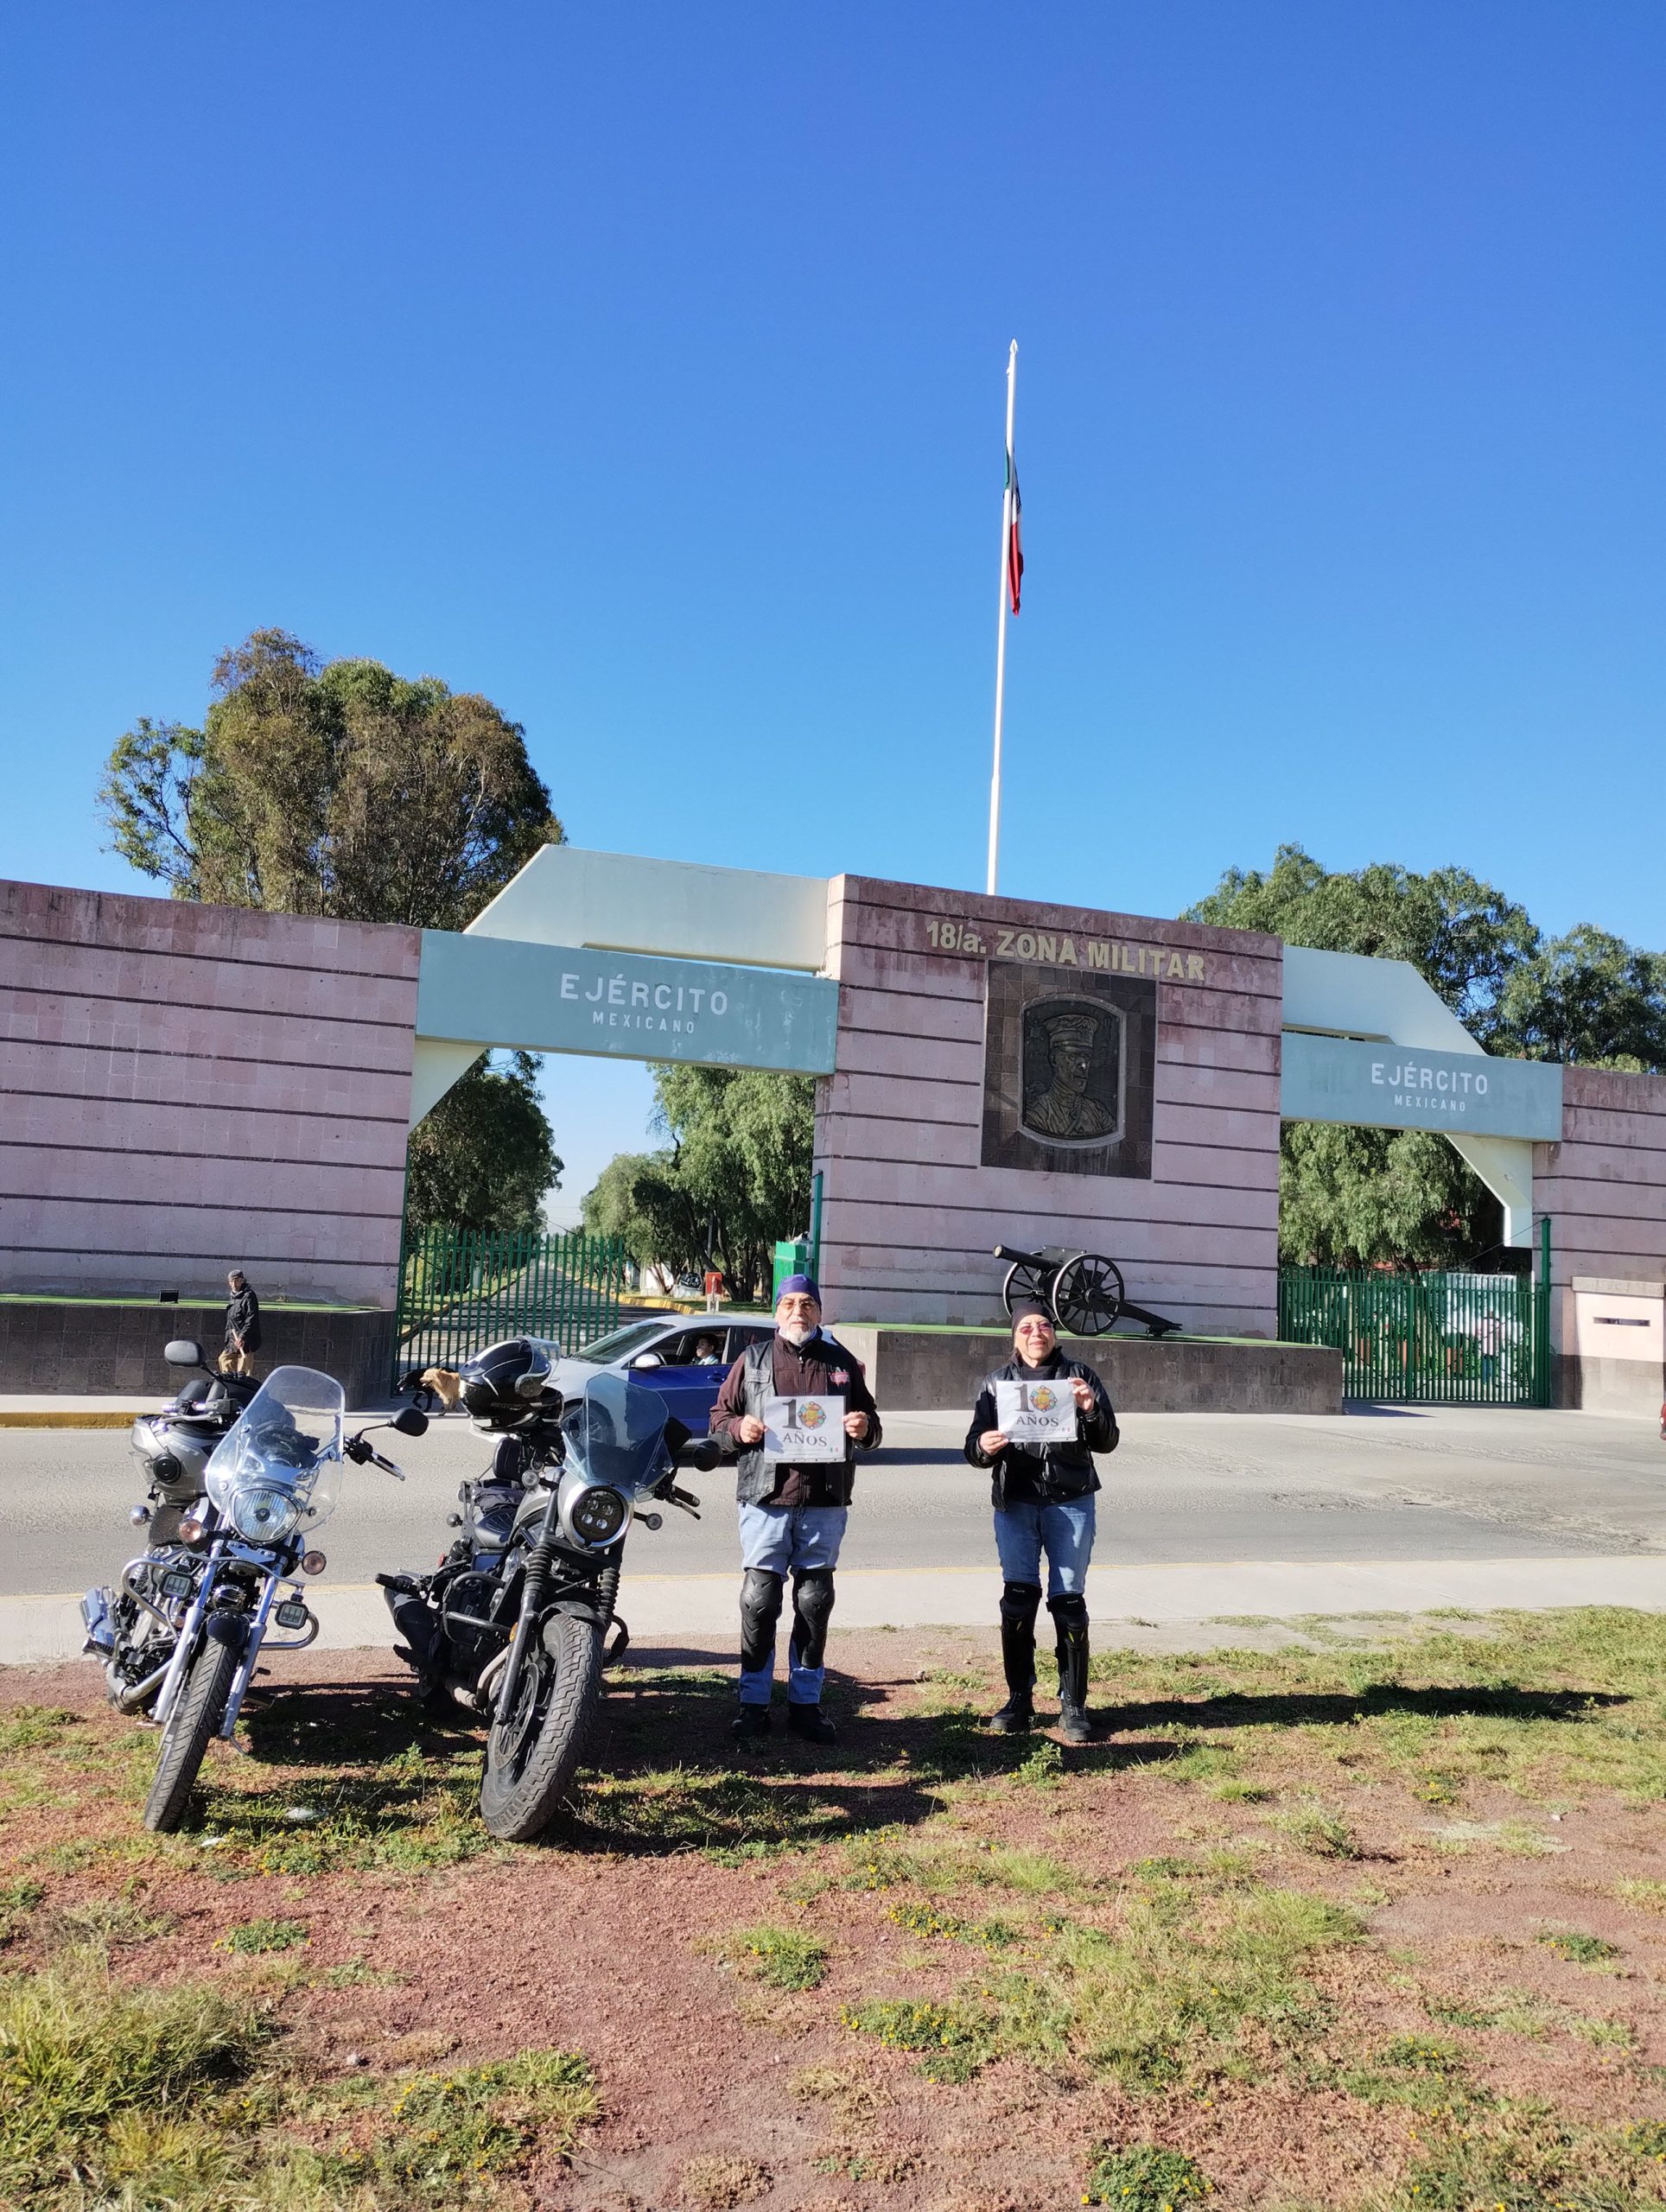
point(1087, 1295)
point(1024, 1281)
point(190, 1729)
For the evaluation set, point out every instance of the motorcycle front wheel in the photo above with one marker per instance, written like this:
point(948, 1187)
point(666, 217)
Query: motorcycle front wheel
point(185, 1739)
point(532, 1752)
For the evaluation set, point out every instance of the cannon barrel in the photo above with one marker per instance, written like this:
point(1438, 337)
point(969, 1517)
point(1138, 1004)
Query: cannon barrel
point(1023, 1259)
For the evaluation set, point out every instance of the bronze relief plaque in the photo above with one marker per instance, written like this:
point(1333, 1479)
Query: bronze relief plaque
point(1068, 1070)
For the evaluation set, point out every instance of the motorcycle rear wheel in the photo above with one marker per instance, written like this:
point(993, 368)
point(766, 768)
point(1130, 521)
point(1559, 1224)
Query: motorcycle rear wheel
point(184, 1741)
point(532, 1753)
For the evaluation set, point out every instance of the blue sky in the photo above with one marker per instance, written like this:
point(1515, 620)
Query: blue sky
point(642, 368)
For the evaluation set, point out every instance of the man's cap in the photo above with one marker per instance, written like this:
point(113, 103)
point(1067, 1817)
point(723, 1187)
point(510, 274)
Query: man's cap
point(1071, 1029)
point(1025, 1308)
point(804, 1286)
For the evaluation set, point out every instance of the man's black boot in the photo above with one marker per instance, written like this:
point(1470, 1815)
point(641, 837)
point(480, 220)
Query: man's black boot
point(1018, 1602)
point(811, 1723)
point(749, 1722)
point(1069, 1620)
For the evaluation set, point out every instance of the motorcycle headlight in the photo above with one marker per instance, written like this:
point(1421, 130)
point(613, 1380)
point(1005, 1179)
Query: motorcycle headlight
point(597, 1515)
point(261, 1516)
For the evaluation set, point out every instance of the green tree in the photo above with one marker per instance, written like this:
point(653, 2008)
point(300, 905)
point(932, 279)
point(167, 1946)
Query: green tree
point(1587, 997)
point(484, 1157)
point(1348, 1194)
point(340, 789)
point(733, 1178)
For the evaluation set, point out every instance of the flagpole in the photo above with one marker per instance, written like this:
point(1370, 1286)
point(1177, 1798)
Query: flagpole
point(1000, 632)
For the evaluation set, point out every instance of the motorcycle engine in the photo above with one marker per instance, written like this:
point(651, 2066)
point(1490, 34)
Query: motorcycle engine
point(470, 1594)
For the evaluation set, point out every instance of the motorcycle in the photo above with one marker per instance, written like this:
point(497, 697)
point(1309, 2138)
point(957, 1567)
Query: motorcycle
point(513, 1624)
point(272, 1480)
point(133, 1625)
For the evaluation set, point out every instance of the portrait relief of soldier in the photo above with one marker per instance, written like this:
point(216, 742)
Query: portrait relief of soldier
point(1071, 1072)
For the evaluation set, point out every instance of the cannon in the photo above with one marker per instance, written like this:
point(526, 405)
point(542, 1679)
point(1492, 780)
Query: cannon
point(1083, 1291)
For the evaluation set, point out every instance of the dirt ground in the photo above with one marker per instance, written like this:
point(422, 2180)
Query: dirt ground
point(1345, 1925)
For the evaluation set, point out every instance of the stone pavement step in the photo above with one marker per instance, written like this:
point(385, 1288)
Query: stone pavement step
point(37, 1630)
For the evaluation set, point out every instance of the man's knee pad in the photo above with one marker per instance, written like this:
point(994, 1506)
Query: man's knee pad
point(1069, 1608)
point(1020, 1602)
point(760, 1609)
point(812, 1608)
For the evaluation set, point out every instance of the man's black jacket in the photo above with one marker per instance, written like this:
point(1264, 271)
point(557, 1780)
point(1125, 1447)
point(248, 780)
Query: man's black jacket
point(1056, 1471)
point(243, 1318)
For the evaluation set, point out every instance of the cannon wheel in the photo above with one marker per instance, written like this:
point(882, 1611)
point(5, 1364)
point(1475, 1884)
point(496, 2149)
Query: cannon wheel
point(1025, 1282)
point(1087, 1295)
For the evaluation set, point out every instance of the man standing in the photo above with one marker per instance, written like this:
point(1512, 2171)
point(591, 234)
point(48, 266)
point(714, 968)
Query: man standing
point(242, 1326)
point(793, 1514)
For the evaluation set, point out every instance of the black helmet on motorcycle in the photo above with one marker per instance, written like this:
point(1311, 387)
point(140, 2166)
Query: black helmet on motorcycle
point(503, 1385)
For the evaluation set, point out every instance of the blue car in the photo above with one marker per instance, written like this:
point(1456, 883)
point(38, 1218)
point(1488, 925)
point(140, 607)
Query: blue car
point(684, 1357)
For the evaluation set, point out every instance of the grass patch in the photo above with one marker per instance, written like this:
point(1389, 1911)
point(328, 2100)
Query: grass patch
point(264, 1935)
point(1144, 2177)
point(445, 2131)
point(30, 1727)
point(1647, 1897)
point(785, 1958)
point(952, 2041)
point(1582, 1949)
point(713, 2184)
point(17, 1900)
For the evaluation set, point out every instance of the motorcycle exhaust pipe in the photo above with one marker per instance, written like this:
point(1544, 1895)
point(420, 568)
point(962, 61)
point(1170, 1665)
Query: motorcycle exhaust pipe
point(129, 1700)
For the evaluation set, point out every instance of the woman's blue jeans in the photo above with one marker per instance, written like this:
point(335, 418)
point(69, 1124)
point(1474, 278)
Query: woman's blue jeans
point(1025, 1529)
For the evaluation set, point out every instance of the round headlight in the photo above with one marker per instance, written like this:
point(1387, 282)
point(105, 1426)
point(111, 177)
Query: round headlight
point(597, 1515)
point(262, 1515)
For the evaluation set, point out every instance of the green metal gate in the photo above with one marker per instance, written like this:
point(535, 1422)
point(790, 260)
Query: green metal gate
point(1447, 1338)
point(461, 1288)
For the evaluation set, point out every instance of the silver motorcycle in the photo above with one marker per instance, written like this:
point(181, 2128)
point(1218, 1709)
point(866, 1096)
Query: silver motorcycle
point(271, 1482)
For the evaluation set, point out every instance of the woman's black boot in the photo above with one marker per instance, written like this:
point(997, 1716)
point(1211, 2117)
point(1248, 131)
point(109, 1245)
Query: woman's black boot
point(1019, 1603)
point(1070, 1621)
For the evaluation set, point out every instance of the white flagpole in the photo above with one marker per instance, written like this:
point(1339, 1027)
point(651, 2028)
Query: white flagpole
point(1000, 632)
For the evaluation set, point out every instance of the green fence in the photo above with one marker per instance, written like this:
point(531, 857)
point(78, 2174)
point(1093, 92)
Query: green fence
point(461, 1288)
point(1451, 1339)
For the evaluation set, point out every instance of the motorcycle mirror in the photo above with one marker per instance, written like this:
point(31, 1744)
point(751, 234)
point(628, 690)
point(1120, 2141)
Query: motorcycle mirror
point(705, 1454)
point(183, 1351)
point(410, 1421)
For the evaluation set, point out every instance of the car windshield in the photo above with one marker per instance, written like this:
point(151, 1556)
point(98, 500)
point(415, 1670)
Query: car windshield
point(621, 1343)
point(288, 1438)
point(615, 1432)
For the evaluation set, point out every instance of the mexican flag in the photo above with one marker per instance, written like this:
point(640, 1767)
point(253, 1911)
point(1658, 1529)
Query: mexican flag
point(1015, 543)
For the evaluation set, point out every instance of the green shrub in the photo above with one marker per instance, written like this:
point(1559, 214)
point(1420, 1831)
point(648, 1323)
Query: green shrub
point(1144, 2177)
point(1584, 1950)
point(264, 1935)
point(784, 1957)
point(953, 2040)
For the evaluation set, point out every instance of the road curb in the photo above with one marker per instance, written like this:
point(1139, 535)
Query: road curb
point(72, 1421)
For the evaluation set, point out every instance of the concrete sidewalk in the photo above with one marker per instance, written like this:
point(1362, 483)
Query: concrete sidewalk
point(40, 1631)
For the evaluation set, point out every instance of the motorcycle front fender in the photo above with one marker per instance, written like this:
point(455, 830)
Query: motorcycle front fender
point(230, 1629)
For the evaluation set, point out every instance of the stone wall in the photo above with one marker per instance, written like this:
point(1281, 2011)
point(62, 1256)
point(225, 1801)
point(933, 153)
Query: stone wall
point(1604, 1187)
point(909, 1212)
point(81, 1347)
point(187, 1089)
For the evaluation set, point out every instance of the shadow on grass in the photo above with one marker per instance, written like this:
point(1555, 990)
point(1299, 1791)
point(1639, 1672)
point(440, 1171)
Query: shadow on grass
point(1339, 1708)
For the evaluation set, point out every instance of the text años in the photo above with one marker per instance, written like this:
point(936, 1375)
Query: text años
point(1060, 951)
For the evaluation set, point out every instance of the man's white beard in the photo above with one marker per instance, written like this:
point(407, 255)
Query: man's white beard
point(798, 1332)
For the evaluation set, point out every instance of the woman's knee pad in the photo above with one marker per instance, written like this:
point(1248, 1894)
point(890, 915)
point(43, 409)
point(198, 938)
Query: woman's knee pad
point(1020, 1602)
point(1069, 1606)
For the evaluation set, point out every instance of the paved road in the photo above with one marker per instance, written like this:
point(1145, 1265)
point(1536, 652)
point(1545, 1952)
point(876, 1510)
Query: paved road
point(1440, 1485)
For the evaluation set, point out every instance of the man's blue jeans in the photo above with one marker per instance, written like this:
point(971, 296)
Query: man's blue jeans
point(1025, 1529)
point(778, 1539)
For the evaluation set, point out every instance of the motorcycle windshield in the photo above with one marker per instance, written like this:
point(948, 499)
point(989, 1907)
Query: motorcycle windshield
point(288, 1439)
point(615, 1431)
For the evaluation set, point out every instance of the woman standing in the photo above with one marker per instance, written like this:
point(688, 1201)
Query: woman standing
point(1043, 1495)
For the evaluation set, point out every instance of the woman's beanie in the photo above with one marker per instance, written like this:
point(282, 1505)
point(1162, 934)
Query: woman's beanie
point(1023, 1308)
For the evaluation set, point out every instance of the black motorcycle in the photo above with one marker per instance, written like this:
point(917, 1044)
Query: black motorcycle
point(514, 1624)
point(132, 1625)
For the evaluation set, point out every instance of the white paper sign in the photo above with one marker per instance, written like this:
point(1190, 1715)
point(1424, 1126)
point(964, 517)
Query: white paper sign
point(800, 1429)
point(1036, 1412)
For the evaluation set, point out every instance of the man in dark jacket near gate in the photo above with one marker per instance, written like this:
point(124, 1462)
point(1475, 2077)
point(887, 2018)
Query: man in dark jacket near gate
point(793, 1516)
point(1043, 1500)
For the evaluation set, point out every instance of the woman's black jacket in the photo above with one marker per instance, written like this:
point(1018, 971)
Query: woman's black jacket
point(1058, 1470)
